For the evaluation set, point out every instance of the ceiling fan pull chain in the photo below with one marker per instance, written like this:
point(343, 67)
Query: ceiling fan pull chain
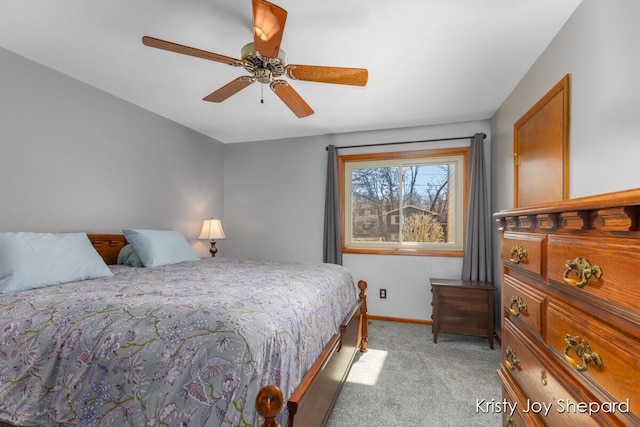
point(261, 94)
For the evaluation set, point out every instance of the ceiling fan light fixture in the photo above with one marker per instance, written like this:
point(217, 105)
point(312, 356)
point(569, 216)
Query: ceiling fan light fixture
point(263, 68)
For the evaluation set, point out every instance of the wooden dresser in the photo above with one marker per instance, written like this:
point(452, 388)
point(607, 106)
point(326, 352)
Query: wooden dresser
point(571, 312)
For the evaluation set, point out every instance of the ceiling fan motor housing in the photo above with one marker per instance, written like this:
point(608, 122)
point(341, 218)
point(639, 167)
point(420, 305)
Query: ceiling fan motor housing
point(263, 68)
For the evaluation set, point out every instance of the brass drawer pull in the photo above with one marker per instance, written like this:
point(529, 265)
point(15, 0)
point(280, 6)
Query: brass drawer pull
point(543, 377)
point(518, 254)
point(511, 359)
point(583, 271)
point(521, 307)
point(510, 423)
point(582, 350)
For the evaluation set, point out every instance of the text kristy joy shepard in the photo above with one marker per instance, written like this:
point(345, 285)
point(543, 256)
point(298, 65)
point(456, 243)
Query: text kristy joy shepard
point(543, 408)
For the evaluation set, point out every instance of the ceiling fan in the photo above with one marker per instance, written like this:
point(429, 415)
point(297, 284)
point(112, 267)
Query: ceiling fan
point(266, 62)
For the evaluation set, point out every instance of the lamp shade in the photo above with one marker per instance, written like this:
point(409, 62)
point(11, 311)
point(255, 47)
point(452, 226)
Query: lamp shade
point(212, 230)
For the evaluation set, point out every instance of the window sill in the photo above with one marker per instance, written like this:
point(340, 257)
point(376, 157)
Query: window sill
point(408, 252)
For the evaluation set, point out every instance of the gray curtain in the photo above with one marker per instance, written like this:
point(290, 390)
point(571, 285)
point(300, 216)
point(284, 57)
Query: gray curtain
point(477, 264)
point(332, 245)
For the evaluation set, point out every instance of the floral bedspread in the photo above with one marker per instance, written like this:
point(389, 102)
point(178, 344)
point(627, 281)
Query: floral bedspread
point(181, 345)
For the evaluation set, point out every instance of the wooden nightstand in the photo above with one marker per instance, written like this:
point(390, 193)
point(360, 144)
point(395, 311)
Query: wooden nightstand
point(462, 307)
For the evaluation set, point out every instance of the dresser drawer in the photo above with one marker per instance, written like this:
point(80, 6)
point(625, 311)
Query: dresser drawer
point(514, 415)
point(615, 261)
point(539, 381)
point(519, 419)
point(524, 251)
point(610, 363)
point(523, 305)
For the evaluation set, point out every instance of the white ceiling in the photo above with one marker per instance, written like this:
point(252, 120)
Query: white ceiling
point(429, 61)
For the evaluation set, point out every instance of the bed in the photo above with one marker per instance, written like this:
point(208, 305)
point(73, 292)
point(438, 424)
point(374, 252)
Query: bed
point(214, 342)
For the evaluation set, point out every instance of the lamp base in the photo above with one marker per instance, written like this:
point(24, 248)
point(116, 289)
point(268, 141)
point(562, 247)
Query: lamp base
point(213, 248)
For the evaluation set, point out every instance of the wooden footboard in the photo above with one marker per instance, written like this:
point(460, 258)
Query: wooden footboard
point(311, 403)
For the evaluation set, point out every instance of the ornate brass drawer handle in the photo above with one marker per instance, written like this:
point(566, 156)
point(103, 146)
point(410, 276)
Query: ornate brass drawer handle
point(583, 271)
point(582, 350)
point(518, 254)
point(520, 306)
point(511, 359)
point(543, 377)
point(510, 423)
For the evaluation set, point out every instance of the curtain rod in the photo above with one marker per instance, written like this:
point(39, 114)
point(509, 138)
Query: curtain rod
point(484, 135)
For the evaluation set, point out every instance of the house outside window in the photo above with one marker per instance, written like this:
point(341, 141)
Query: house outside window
point(406, 203)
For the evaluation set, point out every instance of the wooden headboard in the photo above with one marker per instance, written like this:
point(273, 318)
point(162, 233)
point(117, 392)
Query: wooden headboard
point(108, 246)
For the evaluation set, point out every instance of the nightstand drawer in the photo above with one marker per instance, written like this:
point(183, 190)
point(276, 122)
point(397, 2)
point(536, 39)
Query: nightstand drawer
point(462, 307)
point(524, 251)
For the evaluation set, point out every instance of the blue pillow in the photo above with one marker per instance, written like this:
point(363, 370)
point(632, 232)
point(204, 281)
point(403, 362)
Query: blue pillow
point(35, 260)
point(128, 256)
point(160, 247)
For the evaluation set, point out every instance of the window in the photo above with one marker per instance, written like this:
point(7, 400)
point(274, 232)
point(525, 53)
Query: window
point(415, 202)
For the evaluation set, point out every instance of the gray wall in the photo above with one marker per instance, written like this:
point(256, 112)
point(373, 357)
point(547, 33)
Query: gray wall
point(73, 158)
point(600, 47)
point(274, 209)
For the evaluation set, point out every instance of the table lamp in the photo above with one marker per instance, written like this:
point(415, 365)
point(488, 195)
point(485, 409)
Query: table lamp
point(212, 230)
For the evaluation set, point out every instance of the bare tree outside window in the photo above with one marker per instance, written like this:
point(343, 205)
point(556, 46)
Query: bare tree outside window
point(375, 190)
point(422, 228)
point(423, 190)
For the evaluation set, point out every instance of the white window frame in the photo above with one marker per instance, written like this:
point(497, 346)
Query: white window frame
point(454, 247)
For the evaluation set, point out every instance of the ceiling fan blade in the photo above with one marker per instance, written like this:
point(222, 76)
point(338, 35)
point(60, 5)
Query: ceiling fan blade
point(231, 88)
point(268, 27)
point(186, 50)
point(337, 75)
point(290, 97)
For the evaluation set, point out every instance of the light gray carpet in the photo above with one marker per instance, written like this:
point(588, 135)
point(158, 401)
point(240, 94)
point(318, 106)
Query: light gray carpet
point(407, 380)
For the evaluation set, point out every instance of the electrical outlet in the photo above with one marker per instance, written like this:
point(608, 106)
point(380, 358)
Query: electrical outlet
point(383, 293)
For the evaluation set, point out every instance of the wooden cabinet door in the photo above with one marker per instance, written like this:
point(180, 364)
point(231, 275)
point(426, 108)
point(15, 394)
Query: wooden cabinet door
point(541, 140)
